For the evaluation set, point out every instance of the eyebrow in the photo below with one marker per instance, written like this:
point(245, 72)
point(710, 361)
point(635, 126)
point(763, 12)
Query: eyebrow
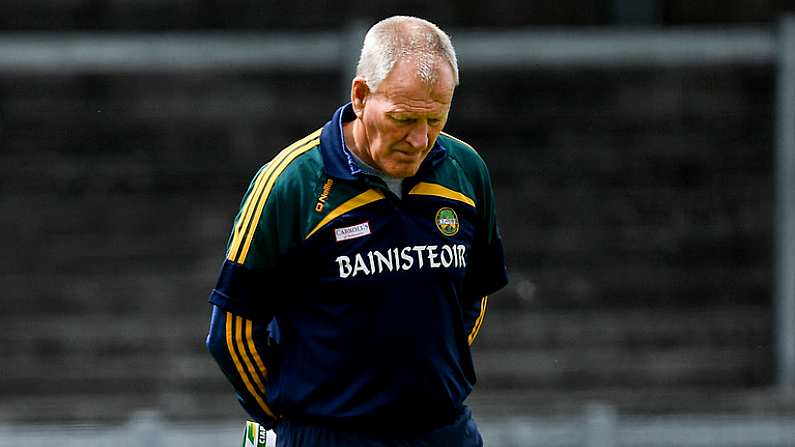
point(413, 114)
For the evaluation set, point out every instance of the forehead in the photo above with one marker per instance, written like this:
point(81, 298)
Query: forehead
point(406, 91)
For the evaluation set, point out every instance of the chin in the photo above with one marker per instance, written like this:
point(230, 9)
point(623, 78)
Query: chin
point(401, 168)
point(402, 172)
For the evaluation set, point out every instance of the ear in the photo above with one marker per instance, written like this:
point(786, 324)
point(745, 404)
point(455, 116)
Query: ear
point(359, 93)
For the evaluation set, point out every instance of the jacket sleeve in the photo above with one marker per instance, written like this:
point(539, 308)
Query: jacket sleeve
point(243, 299)
point(474, 314)
point(486, 272)
point(240, 346)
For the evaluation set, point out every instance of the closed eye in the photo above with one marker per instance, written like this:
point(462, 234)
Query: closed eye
point(402, 119)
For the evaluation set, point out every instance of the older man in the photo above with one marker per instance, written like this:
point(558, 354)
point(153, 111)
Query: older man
point(357, 273)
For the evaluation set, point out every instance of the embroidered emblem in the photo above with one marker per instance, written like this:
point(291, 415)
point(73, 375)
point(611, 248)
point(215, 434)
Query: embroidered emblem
point(447, 221)
point(352, 232)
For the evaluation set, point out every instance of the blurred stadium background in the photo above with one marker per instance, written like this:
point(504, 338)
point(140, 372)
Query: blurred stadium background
point(638, 149)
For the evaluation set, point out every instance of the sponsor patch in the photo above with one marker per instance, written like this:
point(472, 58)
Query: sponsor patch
point(352, 232)
point(255, 435)
point(447, 221)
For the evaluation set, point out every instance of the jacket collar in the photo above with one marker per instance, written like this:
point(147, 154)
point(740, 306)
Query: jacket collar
point(339, 162)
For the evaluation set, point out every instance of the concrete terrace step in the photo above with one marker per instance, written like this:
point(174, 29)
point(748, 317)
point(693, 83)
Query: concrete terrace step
point(618, 366)
point(575, 367)
point(641, 400)
point(604, 282)
point(158, 288)
point(630, 328)
point(487, 403)
point(530, 330)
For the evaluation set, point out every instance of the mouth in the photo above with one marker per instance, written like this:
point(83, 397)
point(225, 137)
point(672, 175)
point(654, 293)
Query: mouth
point(409, 153)
point(407, 158)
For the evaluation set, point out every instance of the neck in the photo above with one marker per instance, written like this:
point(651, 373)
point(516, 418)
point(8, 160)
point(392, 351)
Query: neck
point(356, 140)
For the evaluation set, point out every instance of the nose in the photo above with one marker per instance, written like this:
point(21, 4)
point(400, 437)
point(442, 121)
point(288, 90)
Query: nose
point(417, 136)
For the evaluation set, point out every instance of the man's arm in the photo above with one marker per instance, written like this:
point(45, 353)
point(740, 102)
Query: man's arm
point(245, 297)
point(238, 345)
point(487, 272)
point(473, 318)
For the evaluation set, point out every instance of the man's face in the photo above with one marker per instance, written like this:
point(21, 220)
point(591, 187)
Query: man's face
point(403, 117)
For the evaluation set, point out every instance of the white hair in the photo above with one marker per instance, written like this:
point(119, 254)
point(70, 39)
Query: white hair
point(401, 37)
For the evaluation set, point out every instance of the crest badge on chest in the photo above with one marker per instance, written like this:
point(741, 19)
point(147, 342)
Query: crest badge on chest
point(447, 221)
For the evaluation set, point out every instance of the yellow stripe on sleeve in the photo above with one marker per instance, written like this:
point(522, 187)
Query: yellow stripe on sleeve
point(248, 208)
point(369, 196)
point(250, 366)
point(256, 195)
point(242, 372)
point(266, 192)
point(479, 321)
point(252, 348)
point(251, 198)
point(432, 189)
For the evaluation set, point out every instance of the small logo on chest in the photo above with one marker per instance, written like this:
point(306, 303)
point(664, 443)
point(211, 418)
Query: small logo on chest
point(352, 232)
point(447, 221)
point(321, 199)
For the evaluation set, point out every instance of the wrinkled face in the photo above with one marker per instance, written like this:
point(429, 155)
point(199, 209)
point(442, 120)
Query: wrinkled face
point(403, 117)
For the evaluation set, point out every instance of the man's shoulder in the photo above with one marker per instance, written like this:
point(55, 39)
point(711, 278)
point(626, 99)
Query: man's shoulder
point(464, 155)
point(282, 192)
point(462, 151)
point(295, 165)
point(289, 179)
